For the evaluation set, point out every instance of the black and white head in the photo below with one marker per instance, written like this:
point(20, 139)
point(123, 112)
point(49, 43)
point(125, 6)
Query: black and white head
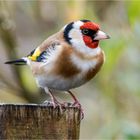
point(84, 35)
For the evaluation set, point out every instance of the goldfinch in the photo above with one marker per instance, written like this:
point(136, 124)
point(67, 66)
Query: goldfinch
point(67, 59)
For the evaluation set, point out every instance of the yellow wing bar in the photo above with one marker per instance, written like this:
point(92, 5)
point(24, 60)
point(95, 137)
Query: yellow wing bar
point(36, 54)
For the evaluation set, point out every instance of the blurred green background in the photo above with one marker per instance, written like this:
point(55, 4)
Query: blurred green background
point(112, 99)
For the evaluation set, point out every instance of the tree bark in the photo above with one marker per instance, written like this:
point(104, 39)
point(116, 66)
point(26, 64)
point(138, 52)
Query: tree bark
point(32, 121)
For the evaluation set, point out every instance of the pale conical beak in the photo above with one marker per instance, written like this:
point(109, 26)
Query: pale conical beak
point(100, 35)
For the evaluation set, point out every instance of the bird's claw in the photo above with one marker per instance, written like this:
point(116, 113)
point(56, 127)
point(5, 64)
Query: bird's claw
point(78, 105)
point(62, 106)
point(55, 104)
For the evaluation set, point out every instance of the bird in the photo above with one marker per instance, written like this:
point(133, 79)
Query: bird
point(67, 59)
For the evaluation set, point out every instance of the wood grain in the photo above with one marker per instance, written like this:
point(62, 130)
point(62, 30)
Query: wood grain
point(31, 121)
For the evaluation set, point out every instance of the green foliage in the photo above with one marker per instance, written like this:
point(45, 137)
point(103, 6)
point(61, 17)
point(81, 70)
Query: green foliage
point(28, 80)
point(131, 131)
point(113, 50)
point(133, 8)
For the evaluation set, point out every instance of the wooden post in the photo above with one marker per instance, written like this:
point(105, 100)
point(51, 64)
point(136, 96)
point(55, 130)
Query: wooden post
point(32, 121)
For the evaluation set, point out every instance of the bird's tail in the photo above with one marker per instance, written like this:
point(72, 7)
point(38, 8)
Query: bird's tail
point(17, 62)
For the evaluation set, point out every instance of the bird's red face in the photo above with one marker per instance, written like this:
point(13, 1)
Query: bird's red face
point(91, 34)
point(89, 30)
point(84, 35)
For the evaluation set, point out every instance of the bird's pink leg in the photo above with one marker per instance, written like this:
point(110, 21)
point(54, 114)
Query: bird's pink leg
point(54, 101)
point(77, 104)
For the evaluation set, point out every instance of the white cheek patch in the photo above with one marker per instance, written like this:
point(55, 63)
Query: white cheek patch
point(77, 40)
point(75, 33)
point(76, 36)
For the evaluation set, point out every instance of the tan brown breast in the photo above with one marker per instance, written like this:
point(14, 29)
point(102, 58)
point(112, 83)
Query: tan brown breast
point(93, 71)
point(63, 65)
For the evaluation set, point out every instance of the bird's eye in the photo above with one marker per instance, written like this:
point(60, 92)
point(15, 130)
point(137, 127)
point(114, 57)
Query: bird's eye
point(85, 31)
